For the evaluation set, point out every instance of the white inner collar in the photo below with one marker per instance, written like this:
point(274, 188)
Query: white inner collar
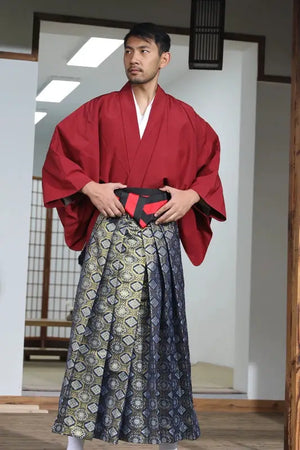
point(142, 118)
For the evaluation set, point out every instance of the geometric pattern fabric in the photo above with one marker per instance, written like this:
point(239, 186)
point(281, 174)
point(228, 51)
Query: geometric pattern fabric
point(128, 372)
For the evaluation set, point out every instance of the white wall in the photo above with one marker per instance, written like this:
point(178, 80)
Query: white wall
point(227, 100)
point(18, 80)
point(269, 263)
point(245, 215)
point(256, 348)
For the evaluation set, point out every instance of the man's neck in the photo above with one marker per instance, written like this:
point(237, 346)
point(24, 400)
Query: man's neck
point(144, 94)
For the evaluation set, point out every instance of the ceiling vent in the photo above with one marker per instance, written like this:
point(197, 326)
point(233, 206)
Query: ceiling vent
point(207, 34)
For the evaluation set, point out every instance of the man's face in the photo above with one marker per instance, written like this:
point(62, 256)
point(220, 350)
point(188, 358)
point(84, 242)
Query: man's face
point(142, 60)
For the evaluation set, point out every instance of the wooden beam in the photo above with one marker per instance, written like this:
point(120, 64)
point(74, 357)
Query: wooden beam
point(48, 17)
point(46, 273)
point(47, 323)
point(292, 413)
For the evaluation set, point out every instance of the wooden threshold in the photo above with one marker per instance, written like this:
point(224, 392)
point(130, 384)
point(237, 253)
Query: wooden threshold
point(21, 409)
point(201, 404)
point(238, 405)
point(49, 403)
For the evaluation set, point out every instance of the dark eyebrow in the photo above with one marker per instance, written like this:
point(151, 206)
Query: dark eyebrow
point(140, 47)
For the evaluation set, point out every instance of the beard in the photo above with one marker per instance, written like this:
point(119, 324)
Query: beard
point(140, 78)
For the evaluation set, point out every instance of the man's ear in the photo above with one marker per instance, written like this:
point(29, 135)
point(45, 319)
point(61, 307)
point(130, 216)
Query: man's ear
point(164, 59)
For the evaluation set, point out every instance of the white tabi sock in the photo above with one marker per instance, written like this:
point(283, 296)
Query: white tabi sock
point(75, 443)
point(168, 446)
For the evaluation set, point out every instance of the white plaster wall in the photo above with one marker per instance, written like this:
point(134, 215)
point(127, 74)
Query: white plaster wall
point(18, 80)
point(227, 100)
point(269, 263)
point(245, 214)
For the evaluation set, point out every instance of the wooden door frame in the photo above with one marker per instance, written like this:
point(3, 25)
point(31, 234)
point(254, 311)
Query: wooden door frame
point(292, 410)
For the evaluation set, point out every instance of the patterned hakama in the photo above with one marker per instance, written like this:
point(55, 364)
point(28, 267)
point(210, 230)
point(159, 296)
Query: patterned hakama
point(128, 368)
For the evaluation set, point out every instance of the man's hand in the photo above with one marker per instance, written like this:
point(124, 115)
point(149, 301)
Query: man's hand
point(103, 197)
point(178, 205)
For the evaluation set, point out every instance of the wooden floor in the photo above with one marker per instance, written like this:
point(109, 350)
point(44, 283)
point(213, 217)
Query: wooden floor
point(228, 431)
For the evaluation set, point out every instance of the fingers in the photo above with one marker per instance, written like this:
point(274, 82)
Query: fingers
point(113, 213)
point(169, 204)
point(118, 186)
point(168, 213)
point(169, 189)
point(119, 208)
point(113, 208)
point(162, 210)
point(169, 216)
point(106, 201)
point(175, 208)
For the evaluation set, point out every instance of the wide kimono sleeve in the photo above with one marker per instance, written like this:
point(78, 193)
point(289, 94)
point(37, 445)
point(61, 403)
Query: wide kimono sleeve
point(207, 182)
point(195, 226)
point(71, 162)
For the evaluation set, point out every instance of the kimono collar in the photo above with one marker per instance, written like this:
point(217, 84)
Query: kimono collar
point(127, 89)
point(139, 151)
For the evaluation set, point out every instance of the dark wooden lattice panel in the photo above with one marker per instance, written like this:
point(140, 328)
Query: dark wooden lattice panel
point(36, 257)
point(53, 273)
point(207, 34)
point(64, 275)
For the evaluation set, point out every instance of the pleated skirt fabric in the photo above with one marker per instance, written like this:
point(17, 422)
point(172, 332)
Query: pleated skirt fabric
point(128, 373)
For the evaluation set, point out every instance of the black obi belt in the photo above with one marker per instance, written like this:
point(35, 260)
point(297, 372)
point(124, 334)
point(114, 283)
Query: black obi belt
point(142, 203)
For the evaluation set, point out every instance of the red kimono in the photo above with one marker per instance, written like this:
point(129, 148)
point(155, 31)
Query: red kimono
point(100, 141)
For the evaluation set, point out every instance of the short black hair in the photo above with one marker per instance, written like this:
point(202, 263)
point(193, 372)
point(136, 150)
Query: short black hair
point(150, 31)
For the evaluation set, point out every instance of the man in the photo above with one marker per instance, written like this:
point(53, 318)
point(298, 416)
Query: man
point(130, 173)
